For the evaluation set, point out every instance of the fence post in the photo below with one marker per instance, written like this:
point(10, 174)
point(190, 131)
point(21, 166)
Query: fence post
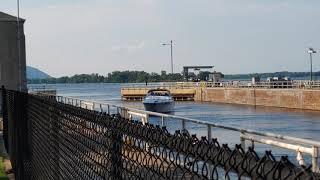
point(243, 141)
point(162, 121)
point(101, 109)
point(315, 155)
point(209, 133)
point(210, 167)
point(54, 115)
point(145, 119)
point(183, 124)
point(116, 148)
point(4, 117)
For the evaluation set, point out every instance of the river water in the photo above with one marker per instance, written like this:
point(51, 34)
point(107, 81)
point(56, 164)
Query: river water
point(298, 123)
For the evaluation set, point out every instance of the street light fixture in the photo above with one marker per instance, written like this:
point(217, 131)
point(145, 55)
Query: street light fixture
point(170, 44)
point(311, 51)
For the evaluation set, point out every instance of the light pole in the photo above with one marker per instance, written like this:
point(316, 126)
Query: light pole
point(311, 51)
point(19, 45)
point(170, 44)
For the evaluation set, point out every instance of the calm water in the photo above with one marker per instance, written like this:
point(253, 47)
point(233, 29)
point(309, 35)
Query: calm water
point(298, 123)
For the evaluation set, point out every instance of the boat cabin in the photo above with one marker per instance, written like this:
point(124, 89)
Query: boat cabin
point(159, 92)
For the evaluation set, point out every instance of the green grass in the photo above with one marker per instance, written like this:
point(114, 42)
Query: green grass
point(3, 175)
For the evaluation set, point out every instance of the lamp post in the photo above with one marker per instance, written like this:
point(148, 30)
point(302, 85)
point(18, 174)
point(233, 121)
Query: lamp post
point(311, 51)
point(170, 44)
point(19, 45)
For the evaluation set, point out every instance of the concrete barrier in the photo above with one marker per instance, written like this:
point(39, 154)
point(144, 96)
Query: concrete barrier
point(286, 98)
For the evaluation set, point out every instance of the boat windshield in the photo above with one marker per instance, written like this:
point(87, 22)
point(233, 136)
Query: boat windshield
point(159, 93)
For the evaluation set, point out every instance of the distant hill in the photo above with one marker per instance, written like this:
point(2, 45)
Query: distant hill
point(34, 73)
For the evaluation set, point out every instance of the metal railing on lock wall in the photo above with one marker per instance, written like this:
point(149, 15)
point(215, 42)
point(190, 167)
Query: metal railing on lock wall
point(297, 84)
point(299, 145)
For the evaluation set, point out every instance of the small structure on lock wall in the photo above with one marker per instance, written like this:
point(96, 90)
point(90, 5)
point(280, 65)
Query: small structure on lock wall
point(205, 73)
point(216, 76)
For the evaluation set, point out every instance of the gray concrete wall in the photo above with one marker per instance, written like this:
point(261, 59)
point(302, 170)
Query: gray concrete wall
point(285, 98)
point(9, 63)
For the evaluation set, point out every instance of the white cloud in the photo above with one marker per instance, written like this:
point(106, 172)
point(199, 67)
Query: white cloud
point(129, 47)
point(136, 46)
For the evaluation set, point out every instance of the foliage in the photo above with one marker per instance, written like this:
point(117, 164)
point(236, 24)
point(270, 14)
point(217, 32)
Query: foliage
point(142, 76)
point(2, 169)
point(114, 77)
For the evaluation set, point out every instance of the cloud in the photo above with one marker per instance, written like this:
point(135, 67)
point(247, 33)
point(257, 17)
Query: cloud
point(136, 46)
point(129, 47)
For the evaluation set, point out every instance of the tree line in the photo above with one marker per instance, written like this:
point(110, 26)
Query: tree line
point(142, 76)
point(114, 77)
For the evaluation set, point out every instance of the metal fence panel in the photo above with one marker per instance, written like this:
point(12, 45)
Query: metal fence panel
point(52, 140)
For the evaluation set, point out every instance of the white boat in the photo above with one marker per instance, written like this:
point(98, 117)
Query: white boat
point(158, 100)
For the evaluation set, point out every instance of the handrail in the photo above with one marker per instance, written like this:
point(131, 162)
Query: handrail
point(301, 84)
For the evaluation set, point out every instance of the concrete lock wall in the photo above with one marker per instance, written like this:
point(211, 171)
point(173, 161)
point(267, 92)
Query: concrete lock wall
point(9, 63)
point(287, 98)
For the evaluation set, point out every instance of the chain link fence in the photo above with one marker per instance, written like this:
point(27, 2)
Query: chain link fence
point(50, 140)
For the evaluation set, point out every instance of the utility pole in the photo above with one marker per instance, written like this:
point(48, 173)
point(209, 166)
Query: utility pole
point(171, 53)
point(171, 58)
point(19, 45)
point(311, 51)
point(310, 66)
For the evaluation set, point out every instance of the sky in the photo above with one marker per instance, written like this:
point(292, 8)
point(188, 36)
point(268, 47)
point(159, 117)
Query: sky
point(67, 37)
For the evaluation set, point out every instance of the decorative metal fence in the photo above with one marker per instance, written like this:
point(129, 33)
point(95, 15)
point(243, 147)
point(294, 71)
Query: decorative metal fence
point(47, 139)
